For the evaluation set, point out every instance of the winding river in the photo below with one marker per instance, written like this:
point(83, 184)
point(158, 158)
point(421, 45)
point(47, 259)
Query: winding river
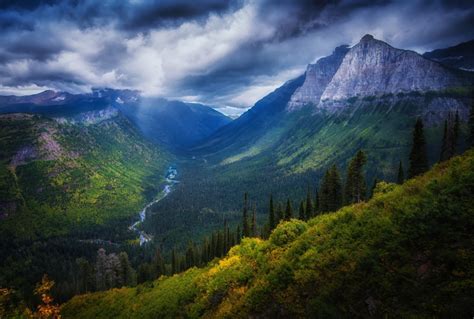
point(171, 174)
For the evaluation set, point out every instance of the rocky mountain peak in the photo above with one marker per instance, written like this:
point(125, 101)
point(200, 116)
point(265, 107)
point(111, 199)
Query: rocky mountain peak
point(317, 77)
point(372, 67)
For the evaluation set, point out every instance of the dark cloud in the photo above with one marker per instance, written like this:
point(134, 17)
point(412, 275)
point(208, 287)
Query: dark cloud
point(215, 51)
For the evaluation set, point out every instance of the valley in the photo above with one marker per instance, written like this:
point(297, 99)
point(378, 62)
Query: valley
point(261, 211)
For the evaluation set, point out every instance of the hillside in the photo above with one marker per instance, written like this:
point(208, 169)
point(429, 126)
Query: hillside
point(405, 253)
point(61, 175)
point(460, 56)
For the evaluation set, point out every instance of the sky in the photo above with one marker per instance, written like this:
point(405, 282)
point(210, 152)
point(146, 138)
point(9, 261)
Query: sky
point(227, 54)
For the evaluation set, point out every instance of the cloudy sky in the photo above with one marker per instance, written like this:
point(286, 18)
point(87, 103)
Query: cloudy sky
point(223, 53)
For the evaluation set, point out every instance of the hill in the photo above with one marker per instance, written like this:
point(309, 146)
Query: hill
point(405, 253)
point(460, 56)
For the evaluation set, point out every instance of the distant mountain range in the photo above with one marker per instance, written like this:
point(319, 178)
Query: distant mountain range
point(172, 123)
point(460, 56)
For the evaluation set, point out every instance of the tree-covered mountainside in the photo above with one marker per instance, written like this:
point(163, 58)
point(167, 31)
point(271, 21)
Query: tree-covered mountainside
point(63, 176)
point(365, 97)
point(176, 124)
point(407, 252)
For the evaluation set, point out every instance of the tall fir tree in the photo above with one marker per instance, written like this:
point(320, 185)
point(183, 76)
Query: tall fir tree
point(374, 186)
point(401, 174)
point(271, 215)
point(470, 140)
point(355, 188)
point(316, 202)
point(456, 128)
point(330, 195)
point(245, 219)
point(288, 210)
point(309, 211)
point(279, 213)
point(418, 154)
point(253, 225)
point(302, 214)
point(444, 154)
point(174, 262)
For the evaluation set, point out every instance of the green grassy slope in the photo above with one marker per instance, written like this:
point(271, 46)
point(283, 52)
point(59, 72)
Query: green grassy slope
point(408, 252)
point(58, 178)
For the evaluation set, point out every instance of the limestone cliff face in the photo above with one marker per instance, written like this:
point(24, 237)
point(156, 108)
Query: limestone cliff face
point(372, 67)
point(317, 77)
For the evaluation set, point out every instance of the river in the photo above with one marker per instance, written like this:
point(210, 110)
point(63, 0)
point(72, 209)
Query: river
point(171, 175)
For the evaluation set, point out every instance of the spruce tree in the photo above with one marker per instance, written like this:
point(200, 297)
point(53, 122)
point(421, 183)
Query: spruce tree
point(271, 215)
point(336, 189)
point(253, 228)
point(401, 174)
point(418, 155)
point(470, 141)
point(279, 213)
point(374, 185)
point(456, 128)
point(316, 202)
point(288, 210)
point(309, 206)
point(444, 155)
point(174, 262)
point(302, 214)
point(355, 189)
point(245, 221)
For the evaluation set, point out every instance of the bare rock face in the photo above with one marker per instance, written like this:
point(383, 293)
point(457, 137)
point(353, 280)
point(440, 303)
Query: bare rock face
point(372, 67)
point(317, 77)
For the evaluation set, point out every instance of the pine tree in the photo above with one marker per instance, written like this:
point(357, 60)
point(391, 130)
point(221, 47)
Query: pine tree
point(355, 189)
point(288, 210)
point(302, 214)
point(271, 215)
point(374, 185)
point(444, 155)
point(226, 236)
point(245, 221)
point(238, 235)
point(401, 174)
point(309, 205)
point(330, 196)
point(174, 262)
point(470, 123)
point(456, 128)
point(279, 213)
point(316, 202)
point(418, 155)
point(126, 272)
point(253, 224)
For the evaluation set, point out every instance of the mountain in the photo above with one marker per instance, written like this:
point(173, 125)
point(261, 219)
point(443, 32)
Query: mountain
point(61, 176)
point(460, 56)
point(174, 123)
point(405, 253)
point(367, 96)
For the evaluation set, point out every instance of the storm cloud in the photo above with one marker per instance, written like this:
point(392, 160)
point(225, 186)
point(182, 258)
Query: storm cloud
point(223, 53)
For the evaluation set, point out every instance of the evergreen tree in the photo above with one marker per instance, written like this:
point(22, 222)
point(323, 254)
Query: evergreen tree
point(238, 235)
point(288, 210)
point(174, 262)
point(456, 128)
point(245, 221)
point(401, 174)
point(470, 123)
point(279, 214)
point(316, 202)
point(418, 155)
point(309, 205)
point(271, 215)
point(126, 272)
point(253, 225)
point(374, 185)
point(302, 214)
point(330, 196)
point(226, 236)
point(190, 262)
point(355, 189)
point(444, 155)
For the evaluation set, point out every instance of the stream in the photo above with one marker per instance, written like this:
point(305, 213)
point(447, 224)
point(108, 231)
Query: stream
point(171, 174)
